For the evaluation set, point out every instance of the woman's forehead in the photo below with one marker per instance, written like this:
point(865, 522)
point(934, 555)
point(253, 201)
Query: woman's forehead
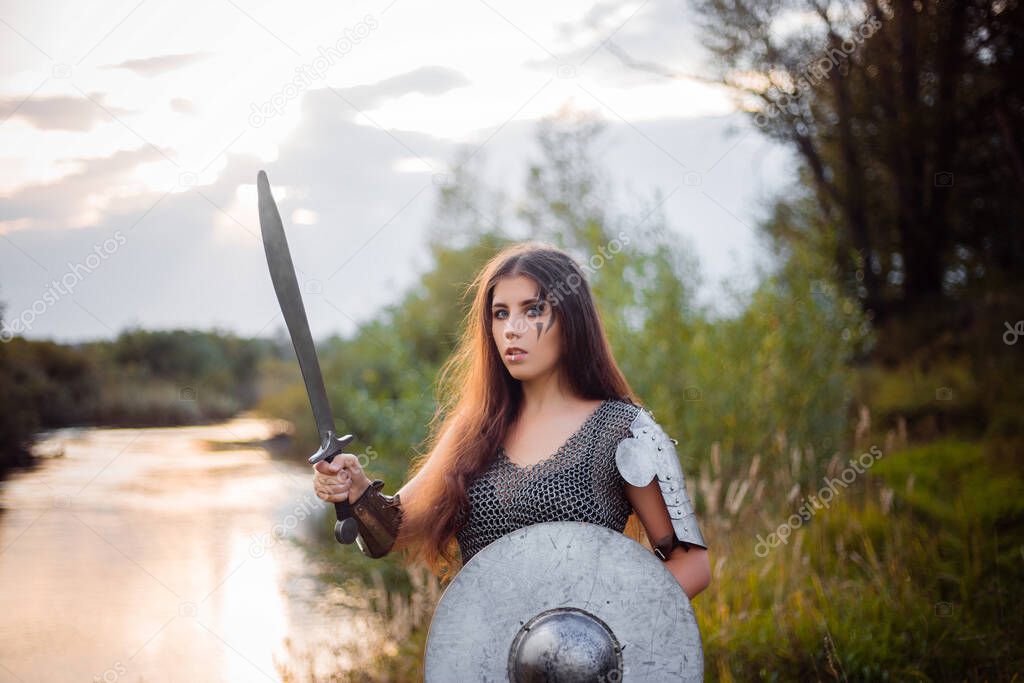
point(515, 289)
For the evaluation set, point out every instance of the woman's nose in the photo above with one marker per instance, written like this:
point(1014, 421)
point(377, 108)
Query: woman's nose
point(514, 327)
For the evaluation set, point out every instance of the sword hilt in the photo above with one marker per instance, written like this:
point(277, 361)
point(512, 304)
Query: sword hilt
point(346, 528)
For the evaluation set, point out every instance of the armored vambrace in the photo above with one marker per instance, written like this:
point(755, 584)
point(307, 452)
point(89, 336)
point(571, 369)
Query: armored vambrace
point(378, 518)
point(650, 453)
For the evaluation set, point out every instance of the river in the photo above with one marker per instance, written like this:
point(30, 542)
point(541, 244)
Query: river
point(165, 554)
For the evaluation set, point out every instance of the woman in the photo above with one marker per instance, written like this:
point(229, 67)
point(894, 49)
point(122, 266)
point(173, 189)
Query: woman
point(541, 426)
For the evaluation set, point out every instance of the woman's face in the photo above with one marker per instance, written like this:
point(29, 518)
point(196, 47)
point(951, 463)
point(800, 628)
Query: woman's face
point(519, 320)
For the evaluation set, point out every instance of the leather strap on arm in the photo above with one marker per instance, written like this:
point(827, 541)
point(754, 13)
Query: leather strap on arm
point(379, 518)
point(663, 548)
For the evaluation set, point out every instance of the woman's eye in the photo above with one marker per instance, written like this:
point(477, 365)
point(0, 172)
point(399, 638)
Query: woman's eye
point(532, 312)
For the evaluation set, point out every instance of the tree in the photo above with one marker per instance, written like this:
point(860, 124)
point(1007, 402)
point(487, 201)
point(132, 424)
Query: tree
point(18, 420)
point(907, 117)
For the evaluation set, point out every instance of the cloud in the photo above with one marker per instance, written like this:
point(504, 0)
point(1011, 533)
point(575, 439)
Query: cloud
point(98, 186)
point(357, 202)
point(79, 198)
point(60, 112)
point(427, 80)
point(155, 66)
point(194, 258)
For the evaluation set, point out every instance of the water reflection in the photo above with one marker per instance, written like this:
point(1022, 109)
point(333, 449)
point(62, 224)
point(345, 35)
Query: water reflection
point(159, 555)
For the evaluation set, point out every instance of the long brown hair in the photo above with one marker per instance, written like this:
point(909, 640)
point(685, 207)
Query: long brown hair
point(478, 400)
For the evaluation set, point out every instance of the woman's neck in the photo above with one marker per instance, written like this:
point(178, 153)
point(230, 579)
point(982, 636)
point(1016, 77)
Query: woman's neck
point(544, 394)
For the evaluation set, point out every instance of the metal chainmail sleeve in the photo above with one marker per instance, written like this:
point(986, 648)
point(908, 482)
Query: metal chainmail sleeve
point(579, 482)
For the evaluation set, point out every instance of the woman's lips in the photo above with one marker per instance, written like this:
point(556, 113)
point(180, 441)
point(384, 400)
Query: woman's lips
point(515, 356)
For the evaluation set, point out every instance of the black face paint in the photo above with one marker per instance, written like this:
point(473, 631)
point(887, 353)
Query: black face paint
point(539, 325)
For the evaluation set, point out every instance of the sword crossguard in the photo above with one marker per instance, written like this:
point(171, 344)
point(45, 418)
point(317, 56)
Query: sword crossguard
point(330, 445)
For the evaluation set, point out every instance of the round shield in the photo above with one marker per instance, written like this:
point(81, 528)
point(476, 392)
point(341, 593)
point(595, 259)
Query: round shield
point(564, 601)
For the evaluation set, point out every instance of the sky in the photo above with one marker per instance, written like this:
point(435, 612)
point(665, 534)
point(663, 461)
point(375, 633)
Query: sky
point(131, 134)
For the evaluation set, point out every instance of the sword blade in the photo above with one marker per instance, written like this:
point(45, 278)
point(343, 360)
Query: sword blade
point(282, 273)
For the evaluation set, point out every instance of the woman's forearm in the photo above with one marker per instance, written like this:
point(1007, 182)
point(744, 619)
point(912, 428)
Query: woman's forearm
point(691, 568)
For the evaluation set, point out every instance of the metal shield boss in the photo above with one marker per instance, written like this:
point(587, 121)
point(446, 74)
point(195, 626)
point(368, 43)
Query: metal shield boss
point(566, 602)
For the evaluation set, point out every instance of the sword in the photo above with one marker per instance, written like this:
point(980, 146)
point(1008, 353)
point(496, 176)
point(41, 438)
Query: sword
point(282, 273)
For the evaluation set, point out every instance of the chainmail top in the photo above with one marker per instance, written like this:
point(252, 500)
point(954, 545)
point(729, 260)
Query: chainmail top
point(578, 483)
